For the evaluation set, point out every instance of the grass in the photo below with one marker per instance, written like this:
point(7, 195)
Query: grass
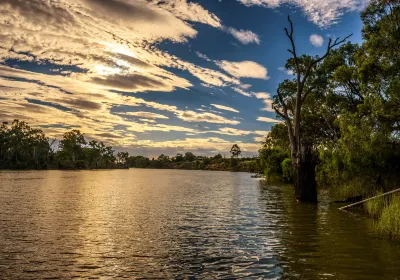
point(389, 221)
point(375, 206)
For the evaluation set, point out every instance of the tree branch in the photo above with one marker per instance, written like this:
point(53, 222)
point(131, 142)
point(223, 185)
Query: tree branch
point(316, 61)
point(290, 36)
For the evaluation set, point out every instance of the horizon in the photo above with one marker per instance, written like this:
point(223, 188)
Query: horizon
point(157, 78)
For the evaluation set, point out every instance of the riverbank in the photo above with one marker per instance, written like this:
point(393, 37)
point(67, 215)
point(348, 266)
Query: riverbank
point(385, 211)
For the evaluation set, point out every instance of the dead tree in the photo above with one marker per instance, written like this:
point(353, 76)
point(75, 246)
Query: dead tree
point(302, 157)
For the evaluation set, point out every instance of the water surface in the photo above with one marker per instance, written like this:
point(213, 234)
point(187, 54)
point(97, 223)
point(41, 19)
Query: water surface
point(170, 224)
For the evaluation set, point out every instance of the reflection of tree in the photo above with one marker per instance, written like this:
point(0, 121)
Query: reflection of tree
point(319, 241)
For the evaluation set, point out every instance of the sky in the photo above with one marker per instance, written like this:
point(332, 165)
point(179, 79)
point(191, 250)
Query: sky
point(152, 76)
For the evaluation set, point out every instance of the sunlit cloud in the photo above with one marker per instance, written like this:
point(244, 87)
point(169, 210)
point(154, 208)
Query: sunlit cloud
point(244, 69)
point(86, 61)
point(266, 99)
point(192, 116)
point(226, 108)
point(268, 120)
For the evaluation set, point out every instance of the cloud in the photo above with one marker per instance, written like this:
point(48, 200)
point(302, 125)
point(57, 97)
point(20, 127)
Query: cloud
point(288, 72)
point(95, 55)
point(145, 115)
point(192, 116)
point(268, 120)
point(241, 91)
point(244, 69)
point(316, 40)
point(130, 82)
point(203, 56)
point(262, 95)
point(321, 12)
point(266, 99)
point(244, 36)
point(210, 145)
point(259, 139)
point(226, 108)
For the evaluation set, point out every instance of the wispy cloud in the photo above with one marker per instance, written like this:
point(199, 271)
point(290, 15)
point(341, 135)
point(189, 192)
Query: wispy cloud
point(226, 108)
point(321, 12)
point(268, 120)
point(192, 116)
point(244, 36)
point(145, 115)
point(266, 100)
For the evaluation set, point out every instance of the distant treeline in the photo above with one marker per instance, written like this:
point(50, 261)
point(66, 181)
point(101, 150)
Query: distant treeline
point(191, 162)
point(24, 147)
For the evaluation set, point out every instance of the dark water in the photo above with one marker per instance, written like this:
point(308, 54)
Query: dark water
point(178, 224)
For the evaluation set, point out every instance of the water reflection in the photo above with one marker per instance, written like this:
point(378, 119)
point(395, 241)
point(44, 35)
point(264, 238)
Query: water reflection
point(321, 242)
point(178, 224)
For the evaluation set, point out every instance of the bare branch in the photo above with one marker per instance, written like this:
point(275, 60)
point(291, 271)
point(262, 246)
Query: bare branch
point(331, 46)
point(290, 36)
point(291, 26)
point(316, 61)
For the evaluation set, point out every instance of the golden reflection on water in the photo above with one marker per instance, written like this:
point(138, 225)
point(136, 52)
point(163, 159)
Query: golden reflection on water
point(178, 224)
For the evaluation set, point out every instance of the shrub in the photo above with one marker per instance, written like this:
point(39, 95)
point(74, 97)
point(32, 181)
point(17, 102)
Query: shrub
point(287, 170)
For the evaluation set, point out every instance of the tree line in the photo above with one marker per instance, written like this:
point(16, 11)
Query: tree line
point(24, 147)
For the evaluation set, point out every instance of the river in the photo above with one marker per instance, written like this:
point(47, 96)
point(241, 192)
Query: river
point(175, 224)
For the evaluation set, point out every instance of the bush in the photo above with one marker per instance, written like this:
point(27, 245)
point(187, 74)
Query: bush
point(271, 161)
point(287, 170)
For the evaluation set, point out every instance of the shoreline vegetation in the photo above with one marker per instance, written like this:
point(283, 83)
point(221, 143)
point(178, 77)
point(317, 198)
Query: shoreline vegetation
point(25, 148)
point(341, 118)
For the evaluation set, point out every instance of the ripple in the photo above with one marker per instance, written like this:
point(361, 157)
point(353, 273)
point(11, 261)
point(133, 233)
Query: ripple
point(173, 224)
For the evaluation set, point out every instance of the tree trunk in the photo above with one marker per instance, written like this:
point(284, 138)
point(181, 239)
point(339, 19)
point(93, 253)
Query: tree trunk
point(305, 185)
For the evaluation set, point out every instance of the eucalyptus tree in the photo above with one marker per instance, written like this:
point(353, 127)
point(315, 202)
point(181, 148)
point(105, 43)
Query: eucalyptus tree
point(72, 145)
point(23, 146)
point(235, 151)
point(289, 108)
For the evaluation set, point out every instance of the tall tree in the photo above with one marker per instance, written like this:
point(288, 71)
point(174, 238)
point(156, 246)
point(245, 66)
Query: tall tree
point(289, 109)
point(72, 143)
point(235, 151)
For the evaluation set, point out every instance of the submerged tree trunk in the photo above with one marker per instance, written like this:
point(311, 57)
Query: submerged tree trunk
point(305, 185)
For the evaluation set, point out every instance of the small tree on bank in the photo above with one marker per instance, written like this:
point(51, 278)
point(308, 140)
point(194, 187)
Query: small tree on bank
point(235, 151)
point(289, 109)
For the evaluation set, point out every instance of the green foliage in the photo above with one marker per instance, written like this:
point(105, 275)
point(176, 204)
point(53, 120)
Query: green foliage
point(271, 161)
point(389, 221)
point(235, 151)
point(190, 156)
point(278, 138)
point(193, 162)
point(23, 147)
point(287, 170)
point(375, 206)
